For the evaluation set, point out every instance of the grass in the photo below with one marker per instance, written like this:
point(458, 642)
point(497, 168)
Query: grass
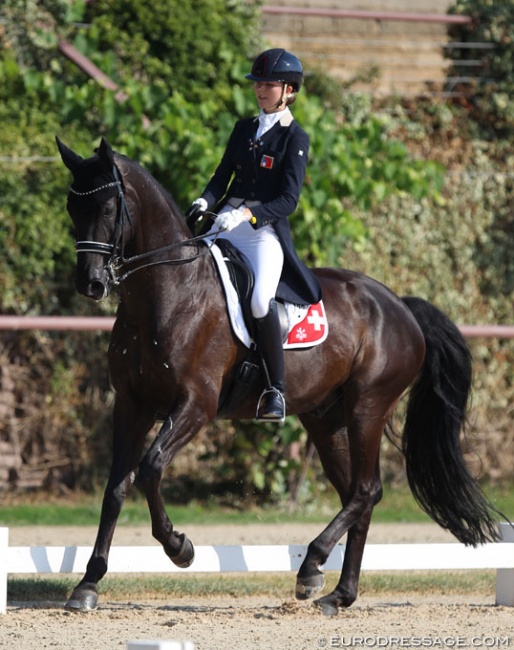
point(139, 588)
point(398, 505)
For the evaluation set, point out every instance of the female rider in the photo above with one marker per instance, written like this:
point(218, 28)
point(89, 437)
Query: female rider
point(263, 168)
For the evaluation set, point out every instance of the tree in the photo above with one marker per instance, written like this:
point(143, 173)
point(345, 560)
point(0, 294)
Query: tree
point(189, 47)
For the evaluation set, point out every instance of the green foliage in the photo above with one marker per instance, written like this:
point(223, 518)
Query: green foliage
point(353, 167)
point(457, 254)
point(189, 47)
point(35, 234)
point(33, 28)
point(492, 24)
point(261, 468)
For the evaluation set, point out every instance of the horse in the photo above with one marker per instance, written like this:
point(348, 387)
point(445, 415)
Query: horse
point(173, 354)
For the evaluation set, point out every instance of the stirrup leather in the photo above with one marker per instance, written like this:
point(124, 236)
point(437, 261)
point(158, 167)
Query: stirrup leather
point(264, 393)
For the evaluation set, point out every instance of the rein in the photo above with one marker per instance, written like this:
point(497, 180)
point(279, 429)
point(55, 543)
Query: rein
point(116, 264)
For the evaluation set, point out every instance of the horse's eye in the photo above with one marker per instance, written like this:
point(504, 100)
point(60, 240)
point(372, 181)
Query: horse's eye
point(108, 209)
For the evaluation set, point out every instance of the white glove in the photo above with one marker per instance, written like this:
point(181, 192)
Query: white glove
point(196, 210)
point(201, 203)
point(227, 221)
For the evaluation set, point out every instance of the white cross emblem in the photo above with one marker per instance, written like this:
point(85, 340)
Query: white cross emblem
point(316, 319)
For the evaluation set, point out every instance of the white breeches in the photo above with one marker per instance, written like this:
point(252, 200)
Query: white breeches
point(266, 258)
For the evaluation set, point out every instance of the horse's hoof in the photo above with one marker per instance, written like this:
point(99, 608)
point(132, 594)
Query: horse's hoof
point(308, 586)
point(327, 606)
point(82, 600)
point(185, 555)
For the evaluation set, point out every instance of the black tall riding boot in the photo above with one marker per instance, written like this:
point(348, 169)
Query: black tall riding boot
point(271, 406)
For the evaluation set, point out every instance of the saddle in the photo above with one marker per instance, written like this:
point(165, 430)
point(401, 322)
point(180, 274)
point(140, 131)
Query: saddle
point(249, 372)
point(301, 327)
point(243, 280)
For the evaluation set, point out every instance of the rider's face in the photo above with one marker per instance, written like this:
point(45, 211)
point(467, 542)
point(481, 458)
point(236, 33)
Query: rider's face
point(271, 95)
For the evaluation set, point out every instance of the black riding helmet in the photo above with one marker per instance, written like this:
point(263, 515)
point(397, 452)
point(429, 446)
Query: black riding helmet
point(277, 64)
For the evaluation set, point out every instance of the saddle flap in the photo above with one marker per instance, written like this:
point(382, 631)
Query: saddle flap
point(241, 276)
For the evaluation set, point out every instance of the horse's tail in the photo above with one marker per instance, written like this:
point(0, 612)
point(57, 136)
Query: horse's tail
point(436, 415)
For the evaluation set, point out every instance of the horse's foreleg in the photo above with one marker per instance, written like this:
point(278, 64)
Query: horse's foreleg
point(176, 431)
point(128, 442)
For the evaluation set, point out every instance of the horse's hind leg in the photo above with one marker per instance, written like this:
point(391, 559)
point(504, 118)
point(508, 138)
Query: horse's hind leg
point(129, 431)
point(350, 460)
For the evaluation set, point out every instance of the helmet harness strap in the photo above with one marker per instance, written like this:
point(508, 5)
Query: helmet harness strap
point(285, 94)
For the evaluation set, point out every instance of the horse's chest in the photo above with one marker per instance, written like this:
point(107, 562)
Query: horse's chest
point(144, 363)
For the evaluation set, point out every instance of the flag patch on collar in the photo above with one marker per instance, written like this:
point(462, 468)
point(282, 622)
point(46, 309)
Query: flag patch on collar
point(267, 162)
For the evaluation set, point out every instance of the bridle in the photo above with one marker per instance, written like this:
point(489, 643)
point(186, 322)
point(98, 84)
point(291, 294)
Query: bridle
point(120, 267)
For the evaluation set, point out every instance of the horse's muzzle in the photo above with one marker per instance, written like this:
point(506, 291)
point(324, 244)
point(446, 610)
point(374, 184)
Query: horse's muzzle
point(95, 288)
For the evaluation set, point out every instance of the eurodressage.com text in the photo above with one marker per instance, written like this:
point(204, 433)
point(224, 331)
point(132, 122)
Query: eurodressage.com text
point(416, 642)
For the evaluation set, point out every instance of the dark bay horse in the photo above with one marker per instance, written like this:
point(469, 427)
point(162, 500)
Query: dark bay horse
point(172, 354)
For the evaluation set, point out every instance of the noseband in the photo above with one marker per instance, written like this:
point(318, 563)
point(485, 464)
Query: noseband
point(117, 263)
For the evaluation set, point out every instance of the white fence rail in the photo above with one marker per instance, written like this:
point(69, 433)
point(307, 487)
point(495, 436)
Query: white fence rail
point(209, 559)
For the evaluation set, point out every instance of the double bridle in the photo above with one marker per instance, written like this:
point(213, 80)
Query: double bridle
point(117, 263)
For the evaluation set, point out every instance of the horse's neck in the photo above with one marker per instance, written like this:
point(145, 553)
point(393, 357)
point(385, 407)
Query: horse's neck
point(157, 229)
point(158, 225)
point(158, 299)
point(155, 291)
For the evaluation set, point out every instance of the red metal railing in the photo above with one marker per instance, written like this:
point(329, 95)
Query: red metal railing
point(105, 323)
point(64, 323)
point(367, 15)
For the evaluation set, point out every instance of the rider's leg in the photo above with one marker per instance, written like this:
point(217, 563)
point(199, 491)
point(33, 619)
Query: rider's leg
point(269, 342)
point(268, 261)
point(266, 258)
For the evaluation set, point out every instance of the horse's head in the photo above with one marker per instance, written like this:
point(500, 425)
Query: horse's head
point(94, 207)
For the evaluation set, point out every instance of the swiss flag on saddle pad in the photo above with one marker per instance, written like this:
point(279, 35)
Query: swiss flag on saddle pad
point(311, 330)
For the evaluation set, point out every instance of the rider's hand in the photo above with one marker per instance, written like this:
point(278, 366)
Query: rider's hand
point(227, 221)
point(197, 209)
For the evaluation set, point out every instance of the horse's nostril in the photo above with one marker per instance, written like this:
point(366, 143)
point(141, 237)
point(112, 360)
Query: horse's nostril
point(96, 290)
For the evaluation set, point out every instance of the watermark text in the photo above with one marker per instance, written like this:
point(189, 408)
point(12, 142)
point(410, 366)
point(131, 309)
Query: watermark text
point(361, 641)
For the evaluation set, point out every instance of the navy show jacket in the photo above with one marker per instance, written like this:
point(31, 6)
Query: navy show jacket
point(268, 175)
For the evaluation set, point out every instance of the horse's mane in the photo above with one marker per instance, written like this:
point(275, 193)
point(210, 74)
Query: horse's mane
point(123, 161)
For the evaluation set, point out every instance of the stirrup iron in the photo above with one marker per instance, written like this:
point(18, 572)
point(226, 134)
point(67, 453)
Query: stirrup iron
point(265, 392)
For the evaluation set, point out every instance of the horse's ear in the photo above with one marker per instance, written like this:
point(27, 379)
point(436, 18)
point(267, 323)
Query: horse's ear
point(106, 154)
point(71, 159)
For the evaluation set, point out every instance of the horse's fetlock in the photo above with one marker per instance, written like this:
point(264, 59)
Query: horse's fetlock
point(316, 553)
point(96, 569)
point(345, 597)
